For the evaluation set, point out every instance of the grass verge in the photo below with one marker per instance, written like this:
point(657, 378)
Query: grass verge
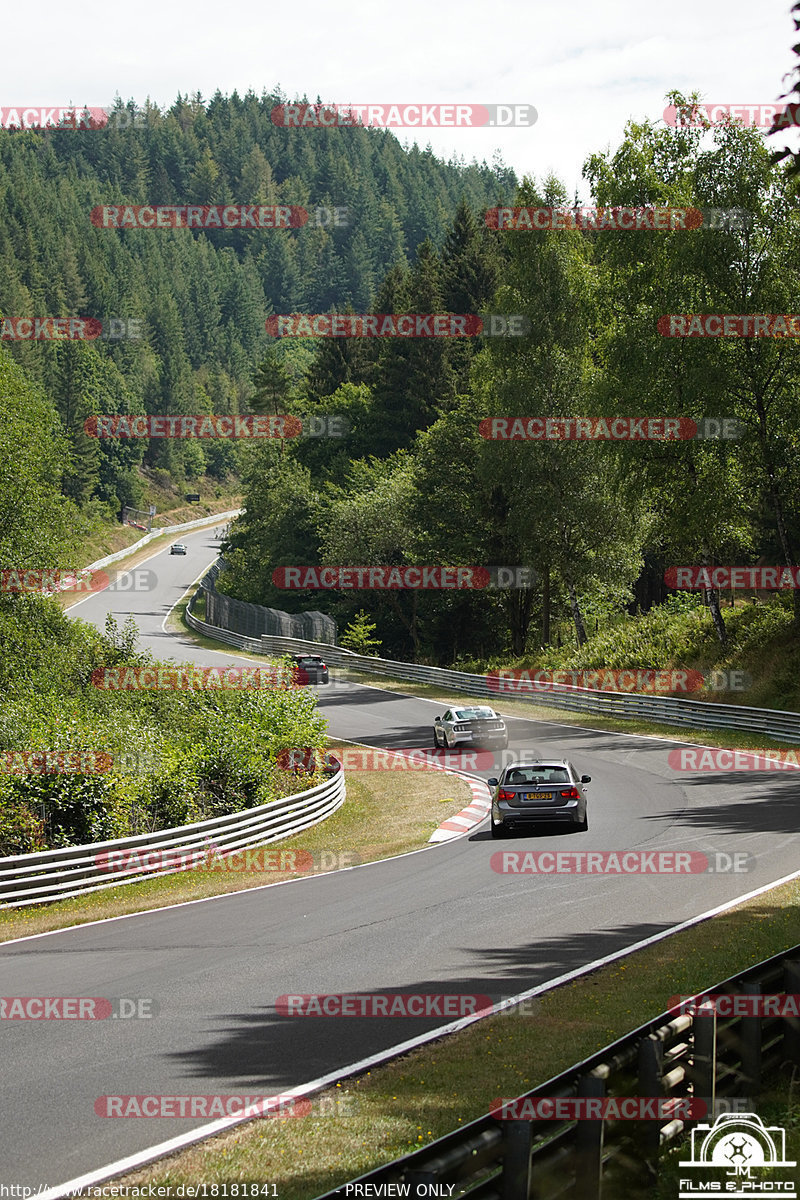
point(126, 535)
point(385, 813)
point(109, 539)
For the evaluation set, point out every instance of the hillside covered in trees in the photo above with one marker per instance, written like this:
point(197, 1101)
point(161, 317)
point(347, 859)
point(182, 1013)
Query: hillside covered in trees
point(597, 521)
point(415, 480)
point(201, 296)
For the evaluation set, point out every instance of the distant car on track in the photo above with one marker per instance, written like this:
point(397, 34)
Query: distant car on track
point(310, 668)
point(469, 725)
point(535, 793)
point(177, 548)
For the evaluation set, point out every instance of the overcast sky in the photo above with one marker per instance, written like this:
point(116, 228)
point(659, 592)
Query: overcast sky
point(586, 65)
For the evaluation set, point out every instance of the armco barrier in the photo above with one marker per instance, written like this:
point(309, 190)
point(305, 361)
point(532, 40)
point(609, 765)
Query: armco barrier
point(662, 709)
point(683, 1057)
point(665, 710)
point(156, 533)
point(75, 870)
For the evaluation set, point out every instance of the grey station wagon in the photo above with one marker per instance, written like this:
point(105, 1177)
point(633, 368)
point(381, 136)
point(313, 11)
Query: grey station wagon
point(536, 793)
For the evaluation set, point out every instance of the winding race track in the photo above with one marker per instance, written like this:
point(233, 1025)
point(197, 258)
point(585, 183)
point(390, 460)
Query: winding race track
point(440, 920)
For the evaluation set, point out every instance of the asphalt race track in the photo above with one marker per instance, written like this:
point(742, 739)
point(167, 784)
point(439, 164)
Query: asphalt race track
point(440, 920)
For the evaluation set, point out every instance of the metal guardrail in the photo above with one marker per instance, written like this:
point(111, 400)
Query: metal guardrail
point(211, 519)
point(254, 620)
point(252, 645)
point(774, 723)
point(76, 870)
point(666, 710)
point(674, 1056)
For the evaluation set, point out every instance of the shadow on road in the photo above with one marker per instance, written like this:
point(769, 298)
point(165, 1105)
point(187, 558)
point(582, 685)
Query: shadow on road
point(265, 1049)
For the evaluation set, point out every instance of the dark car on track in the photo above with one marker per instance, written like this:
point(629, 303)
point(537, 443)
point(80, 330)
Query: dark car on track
point(309, 668)
point(538, 793)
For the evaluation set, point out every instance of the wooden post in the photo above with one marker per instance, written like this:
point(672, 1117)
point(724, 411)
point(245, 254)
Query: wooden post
point(589, 1145)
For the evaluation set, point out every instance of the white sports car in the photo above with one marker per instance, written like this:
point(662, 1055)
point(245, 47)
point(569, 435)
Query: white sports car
point(470, 726)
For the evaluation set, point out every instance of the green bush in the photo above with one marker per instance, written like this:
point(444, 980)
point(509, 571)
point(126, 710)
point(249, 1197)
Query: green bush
point(174, 756)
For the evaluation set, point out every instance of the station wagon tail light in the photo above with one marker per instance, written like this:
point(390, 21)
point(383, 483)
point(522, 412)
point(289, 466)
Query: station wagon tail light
point(504, 795)
point(571, 794)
